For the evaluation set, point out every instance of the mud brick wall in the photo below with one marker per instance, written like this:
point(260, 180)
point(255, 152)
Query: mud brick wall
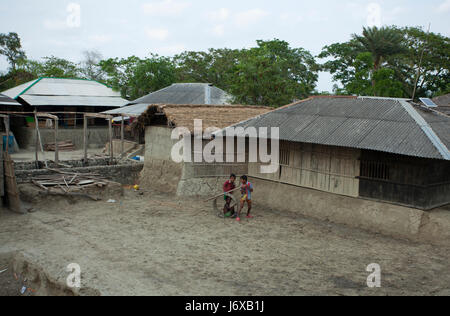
point(97, 136)
point(31, 165)
point(124, 174)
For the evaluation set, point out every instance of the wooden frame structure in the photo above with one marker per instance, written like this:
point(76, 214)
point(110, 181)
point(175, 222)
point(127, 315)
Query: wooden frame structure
point(6, 122)
point(37, 115)
point(85, 136)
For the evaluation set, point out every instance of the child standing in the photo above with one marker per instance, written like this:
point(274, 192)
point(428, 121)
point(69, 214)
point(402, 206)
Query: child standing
point(228, 186)
point(246, 192)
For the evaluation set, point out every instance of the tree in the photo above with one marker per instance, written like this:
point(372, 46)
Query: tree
point(89, 66)
point(341, 63)
point(395, 65)
point(216, 66)
point(381, 42)
point(11, 47)
point(135, 77)
point(53, 67)
point(386, 85)
point(434, 76)
point(274, 74)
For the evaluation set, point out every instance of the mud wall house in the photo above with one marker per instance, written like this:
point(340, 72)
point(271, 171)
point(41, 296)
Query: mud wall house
point(386, 150)
point(371, 163)
point(176, 94)
point(66, 97)
point(187, 178)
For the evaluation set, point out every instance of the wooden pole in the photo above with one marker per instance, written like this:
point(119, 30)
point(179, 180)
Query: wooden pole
point(122, 137)
point(56, 142)
point(6, 120)
point(85, 138)
point(36, 122)
point(111, 149)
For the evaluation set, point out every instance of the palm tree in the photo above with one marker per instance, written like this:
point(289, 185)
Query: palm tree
point(381, 42)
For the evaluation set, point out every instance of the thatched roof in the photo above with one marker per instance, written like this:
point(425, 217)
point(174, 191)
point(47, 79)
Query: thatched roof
point(176, 115)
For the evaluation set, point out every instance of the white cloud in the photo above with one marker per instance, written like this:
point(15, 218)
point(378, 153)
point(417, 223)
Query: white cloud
point(219, 30)
point(171, 49)
point(246, 18)
point(444, 7)
point(219, 15)
point(289, 18)
point(100, 39)
point(55, 25)
point(157, 34)
point(166, 7)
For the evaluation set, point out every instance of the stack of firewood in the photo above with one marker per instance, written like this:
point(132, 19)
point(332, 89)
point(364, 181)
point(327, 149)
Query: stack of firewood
point(62, 146)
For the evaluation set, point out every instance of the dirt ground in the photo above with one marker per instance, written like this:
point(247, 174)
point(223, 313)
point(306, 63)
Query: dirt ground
point(156, 244)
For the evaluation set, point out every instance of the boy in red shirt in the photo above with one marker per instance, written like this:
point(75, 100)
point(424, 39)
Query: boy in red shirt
point(228, 186)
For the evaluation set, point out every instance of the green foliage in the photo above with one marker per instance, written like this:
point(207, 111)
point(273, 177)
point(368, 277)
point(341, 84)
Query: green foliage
point(274, 74)
point(396, 56)
point(11, 48)
point(15, 78)
point(135, 77)
point(434, 77)
point(381, 43)
point(215, 66)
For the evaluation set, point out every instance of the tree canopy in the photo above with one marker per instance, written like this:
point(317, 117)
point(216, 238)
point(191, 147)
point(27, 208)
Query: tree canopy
point(378, 62)
point(395, 55)
point(135, 77)
point(11, 48)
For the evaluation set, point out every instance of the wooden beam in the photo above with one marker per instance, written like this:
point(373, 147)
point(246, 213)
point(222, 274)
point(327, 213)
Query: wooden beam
point(111, 147)
point(122, 137)
point(56, 119)
point(56, 141)
point(6, 120)
point(98, 115)
point(85, 125)
point(36, 122)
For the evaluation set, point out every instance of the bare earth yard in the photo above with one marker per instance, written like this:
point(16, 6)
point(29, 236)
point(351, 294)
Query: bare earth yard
point(157, 244)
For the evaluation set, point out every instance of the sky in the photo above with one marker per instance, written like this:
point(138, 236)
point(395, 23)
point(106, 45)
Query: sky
point(166, 27)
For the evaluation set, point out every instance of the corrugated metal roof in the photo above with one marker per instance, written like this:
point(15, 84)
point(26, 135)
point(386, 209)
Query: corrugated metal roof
point(178, 93)
point(70, 100)
point(7, 101)
point(134, 110)
point(66, 92)
point(366, 123)
point(186, 93)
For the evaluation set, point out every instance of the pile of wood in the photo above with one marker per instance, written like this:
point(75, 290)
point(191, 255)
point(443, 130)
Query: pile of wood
point(62, 146)
point(68, 183)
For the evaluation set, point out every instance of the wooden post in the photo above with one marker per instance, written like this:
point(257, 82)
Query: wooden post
point(36, 122)
point(6, 120)
point(56, 141)
point(122, 136)
point(111, 147)
point(106, 117)
point(85, 138)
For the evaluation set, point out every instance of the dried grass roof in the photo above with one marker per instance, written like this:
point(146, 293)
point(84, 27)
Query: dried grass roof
point(176, 115)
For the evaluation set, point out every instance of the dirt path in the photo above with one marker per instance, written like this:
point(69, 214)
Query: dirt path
point(158, 245)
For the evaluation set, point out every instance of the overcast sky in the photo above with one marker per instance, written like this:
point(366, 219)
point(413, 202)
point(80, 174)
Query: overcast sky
point(167, 27)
